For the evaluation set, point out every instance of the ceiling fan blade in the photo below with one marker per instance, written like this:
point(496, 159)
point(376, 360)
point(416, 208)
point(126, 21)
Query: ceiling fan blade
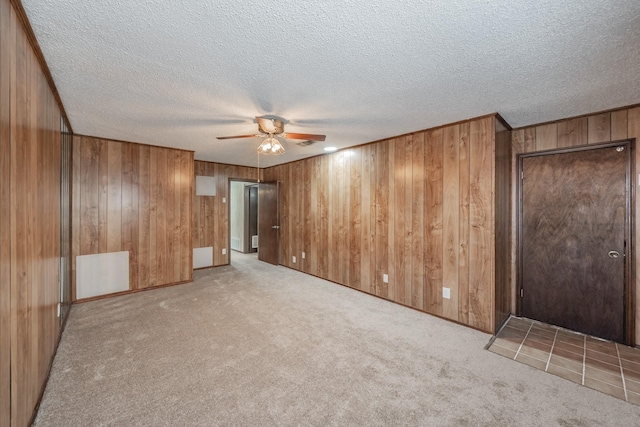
point(308, 136)
point(237, 136)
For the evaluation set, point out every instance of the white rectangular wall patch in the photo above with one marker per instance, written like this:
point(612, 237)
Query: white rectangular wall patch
point(235, 243)
point(205, 185)
point(102, 274)
point(203, 257)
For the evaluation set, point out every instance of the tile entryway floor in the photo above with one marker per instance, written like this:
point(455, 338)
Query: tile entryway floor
point(605, 366)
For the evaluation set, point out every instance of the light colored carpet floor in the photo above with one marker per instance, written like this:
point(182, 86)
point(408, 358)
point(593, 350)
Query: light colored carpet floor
point(257, 345)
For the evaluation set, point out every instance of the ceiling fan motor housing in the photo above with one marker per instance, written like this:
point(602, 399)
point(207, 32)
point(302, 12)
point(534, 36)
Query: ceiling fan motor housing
point(270, 126)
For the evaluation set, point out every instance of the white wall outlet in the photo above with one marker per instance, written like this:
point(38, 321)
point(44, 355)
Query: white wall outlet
point(293, 259)
point(224, 200)
point(303, 255)
point(224, 251)
point(446, 293)
point(385, 278)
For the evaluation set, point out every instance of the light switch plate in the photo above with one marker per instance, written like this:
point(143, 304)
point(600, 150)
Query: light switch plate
point(294, 259)
point(224, 251)
point(446, 293)
point(385, 278)
point(224, 200)
point(303, 255)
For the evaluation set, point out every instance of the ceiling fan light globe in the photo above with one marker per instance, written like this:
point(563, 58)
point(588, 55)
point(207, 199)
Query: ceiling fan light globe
point(271, 146)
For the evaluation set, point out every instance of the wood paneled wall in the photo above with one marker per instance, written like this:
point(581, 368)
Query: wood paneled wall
point(420, 208)
point(597, 128)
point(29, 223)
point(504, 238)
point(211, 214)
point(136, 198)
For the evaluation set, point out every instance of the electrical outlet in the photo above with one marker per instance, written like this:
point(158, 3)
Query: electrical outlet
point(303, 255)
point(385, 278)
point(224, 251)
point(224, 200)
point(446, 293)
point(293, 259)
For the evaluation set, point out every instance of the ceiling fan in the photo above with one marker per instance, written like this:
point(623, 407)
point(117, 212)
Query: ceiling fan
point(270, 127)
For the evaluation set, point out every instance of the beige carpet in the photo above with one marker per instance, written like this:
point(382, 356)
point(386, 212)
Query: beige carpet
point(256, 345)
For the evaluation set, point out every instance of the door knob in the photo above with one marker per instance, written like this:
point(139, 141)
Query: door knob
point(614, 254)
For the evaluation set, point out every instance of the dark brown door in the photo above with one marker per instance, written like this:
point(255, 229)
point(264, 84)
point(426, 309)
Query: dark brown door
point(574, 225)
point(268, 222)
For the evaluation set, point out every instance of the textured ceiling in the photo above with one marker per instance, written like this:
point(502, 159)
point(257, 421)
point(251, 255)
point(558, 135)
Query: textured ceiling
point(179, 73)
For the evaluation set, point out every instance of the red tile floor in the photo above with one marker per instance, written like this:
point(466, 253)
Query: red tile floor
point(605, 366)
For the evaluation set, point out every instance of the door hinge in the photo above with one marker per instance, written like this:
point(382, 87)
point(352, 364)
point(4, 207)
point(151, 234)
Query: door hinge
point(521, 292)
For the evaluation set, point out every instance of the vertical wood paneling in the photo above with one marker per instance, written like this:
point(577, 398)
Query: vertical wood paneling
point(323, 209)
point(465, 197)
point(6, 322)
point(451, 219)
point(365, 222)
point(374, 278)
point(481, 156)
point(186, 215)
point(407, 210)
point(355, 232)
point(345, 201)
point(503, 278)
point(144, 218)
point(163, 217)
point(114, 197)
point(433, 245)
point(599, 128)
point(619, 125)
point(306, 206)
point(313, 250)
point(30, 168)
point(572, 132)
point(153, 218)
point(399, 259)
point(210, 213)
point(173, 215)
point(333, 215)
point(102, 202)
point(127, 211)
point(529, 140)
point(286, 186)
point(141, 197)
point(381, 238)
point(419, 208)
point(547, 137)
point(223, 224)
point(299, 176)
point(88, 190)
point(391, 220)
point(75, 213)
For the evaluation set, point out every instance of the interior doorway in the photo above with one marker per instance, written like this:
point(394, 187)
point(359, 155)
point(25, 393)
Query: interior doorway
point(574, 239)
point(243, 217)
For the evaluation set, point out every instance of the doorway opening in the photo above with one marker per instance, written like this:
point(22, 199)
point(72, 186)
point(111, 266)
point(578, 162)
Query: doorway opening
point(254, 224)
point(575, 248)
point(243, 217)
